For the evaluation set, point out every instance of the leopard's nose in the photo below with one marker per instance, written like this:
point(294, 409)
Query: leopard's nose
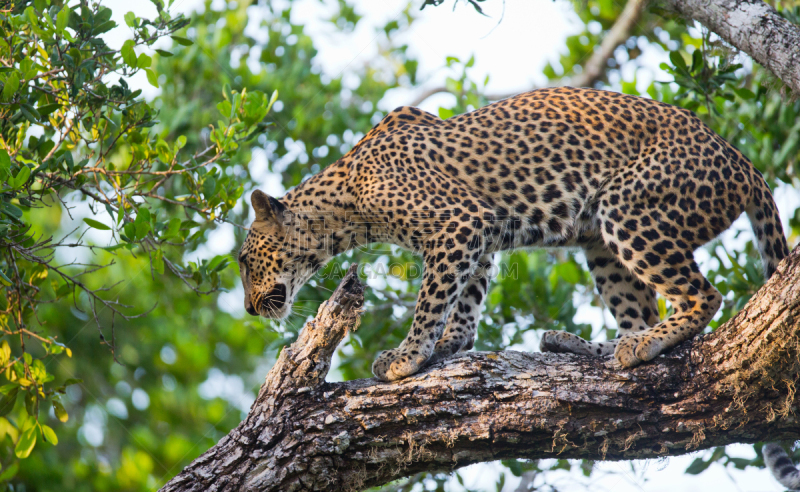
point(248, 306)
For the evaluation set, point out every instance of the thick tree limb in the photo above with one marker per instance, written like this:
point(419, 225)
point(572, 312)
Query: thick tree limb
point(737, 384)
point(753, 27)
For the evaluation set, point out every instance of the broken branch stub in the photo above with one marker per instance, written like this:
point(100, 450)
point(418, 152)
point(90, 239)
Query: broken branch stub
point(307, 361)
point(257, 454)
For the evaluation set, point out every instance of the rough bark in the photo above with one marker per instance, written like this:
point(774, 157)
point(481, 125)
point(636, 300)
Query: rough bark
point(736, 384)
point(753, 27)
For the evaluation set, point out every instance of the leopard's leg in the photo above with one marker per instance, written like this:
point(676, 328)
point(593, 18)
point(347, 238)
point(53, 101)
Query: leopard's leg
point(661, 263)
point(631, 302)
point(462, 324)
point(444, 279)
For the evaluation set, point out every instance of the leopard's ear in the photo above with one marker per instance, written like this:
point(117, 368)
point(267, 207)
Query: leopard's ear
point(268, 209)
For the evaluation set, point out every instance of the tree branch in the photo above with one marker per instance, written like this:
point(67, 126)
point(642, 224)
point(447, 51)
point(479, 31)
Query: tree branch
point(736, 384)
point(753, 27)
point(618, 34)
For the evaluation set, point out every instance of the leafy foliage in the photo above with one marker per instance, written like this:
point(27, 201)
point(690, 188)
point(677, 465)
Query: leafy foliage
point(73, 141)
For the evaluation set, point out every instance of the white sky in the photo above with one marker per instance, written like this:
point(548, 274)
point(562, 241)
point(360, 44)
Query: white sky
point(513, 54)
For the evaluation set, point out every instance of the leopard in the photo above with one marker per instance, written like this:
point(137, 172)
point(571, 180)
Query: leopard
point(636, 184)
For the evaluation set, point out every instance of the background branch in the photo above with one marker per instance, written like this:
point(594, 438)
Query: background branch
point(594, 66)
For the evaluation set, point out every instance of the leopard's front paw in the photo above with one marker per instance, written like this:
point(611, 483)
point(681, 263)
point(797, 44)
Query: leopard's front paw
point(632, 350)
point(394, 364)
point(625, 353)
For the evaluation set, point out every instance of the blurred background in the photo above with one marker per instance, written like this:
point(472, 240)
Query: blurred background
point(183, 375)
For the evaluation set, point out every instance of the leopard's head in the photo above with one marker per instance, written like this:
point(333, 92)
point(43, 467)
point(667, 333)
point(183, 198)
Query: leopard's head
point(277, 258)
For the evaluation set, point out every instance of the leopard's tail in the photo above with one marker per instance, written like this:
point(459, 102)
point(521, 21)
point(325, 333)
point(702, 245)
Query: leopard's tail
point(777, 460)
point(763, 215)
point(772, 245)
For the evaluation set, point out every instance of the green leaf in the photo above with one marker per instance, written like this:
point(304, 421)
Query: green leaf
point(61, 413)
point(62, 19)
point(5, 355)
point(218, 263)
point(7, 401)
point(3, 279)
point(63, 290)
point(445, 113)
point(698, 466)
point(103, 15)
point(272, 100)
point(142, 215)
point(745, 94)
point(49, 435)
point(224, 107)
point(29, 115)
point(164, 53)
point(32, 403)
point(151, 77)
point(27, 440)
point(34, 21)
point(182, 41)
point(32, 111)
point(144, 61)
point(104, 27)
point(130, 231)
point(158, 262)
point(662, 308)
point(209, 186)
point(21, 178)
point(48, 108)
point(9, 472)
point(128, 55)
point(113, 248)
point(697, 60)
point(5, 164)
point(677, 60)
point(142, 223)
point(569, 272)
point(11, 86)
point(12, 210)
point(97, 225)
point(130, 19)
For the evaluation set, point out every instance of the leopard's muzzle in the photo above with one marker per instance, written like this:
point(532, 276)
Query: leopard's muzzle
point(272, 302)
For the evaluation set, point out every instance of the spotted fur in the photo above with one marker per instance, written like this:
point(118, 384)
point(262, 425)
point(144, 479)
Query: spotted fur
point(637, 184)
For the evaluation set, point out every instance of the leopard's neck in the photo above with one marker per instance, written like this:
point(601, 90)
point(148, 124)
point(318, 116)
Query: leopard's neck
point(326, 206)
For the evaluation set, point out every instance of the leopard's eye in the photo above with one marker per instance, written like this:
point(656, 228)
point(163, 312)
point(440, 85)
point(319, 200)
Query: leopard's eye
point(243, 262)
